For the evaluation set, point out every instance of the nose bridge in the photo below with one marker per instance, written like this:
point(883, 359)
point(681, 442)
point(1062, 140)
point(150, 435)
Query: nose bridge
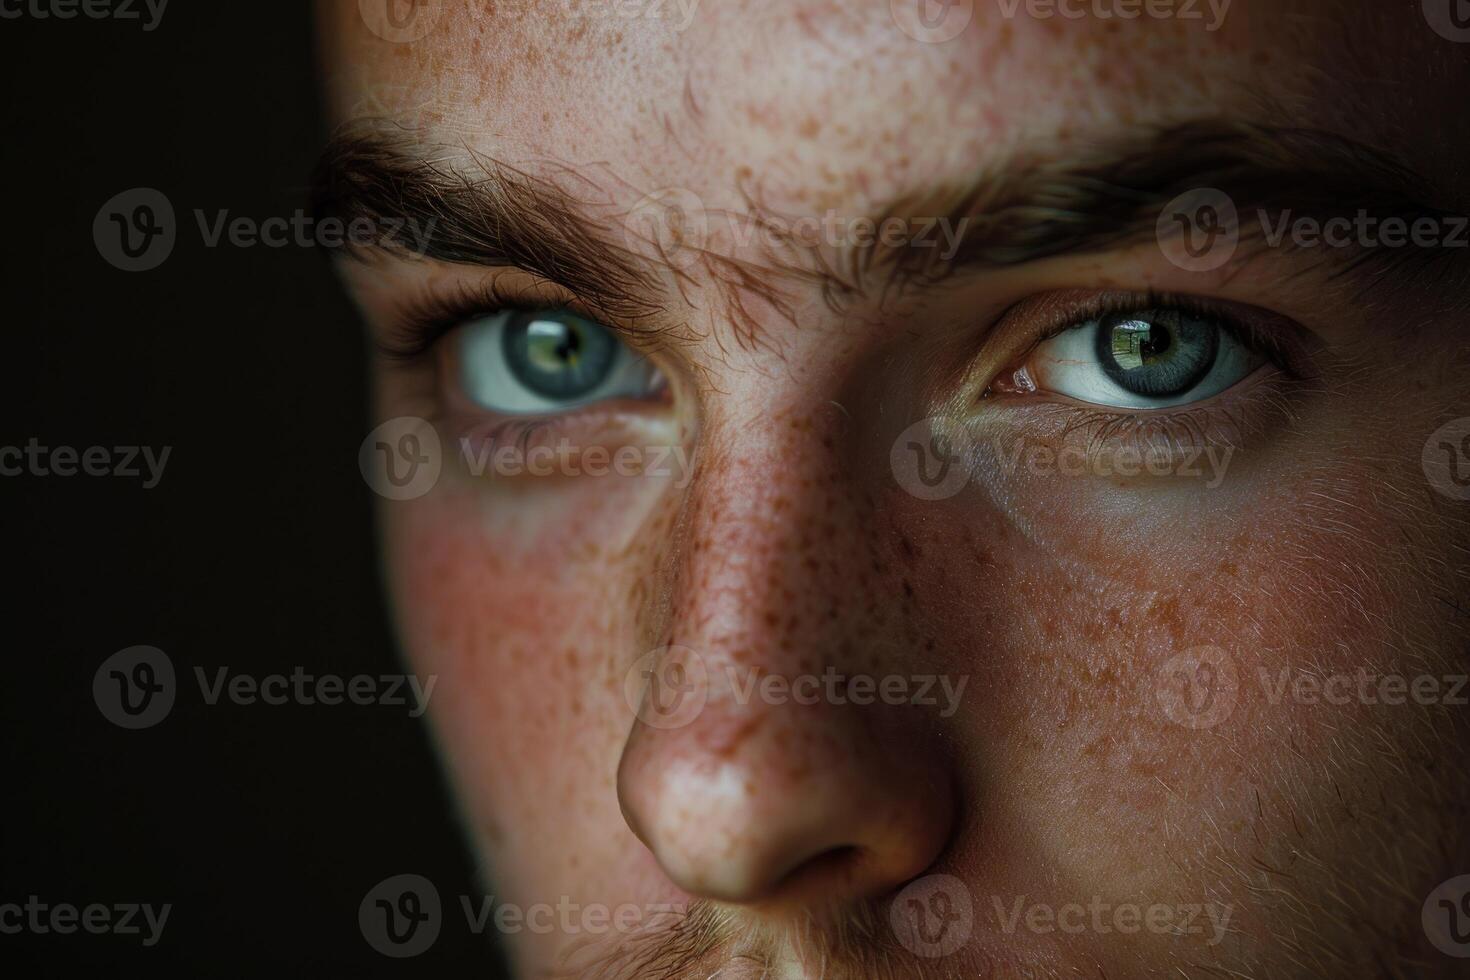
point(775, 594)
point(775, 547)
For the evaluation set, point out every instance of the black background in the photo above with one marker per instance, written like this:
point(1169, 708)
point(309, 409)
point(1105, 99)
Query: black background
point(263, 826)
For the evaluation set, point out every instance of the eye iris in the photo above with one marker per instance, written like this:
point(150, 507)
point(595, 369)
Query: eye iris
point(558, 355)
point(1157, 353)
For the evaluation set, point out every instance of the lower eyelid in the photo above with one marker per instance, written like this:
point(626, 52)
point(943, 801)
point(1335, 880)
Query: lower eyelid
point(1266, 374)
point(608, 424)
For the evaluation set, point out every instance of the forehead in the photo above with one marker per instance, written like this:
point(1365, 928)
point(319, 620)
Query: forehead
point(843, 104)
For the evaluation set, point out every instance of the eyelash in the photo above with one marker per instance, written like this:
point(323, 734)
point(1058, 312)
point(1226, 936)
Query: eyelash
point(1270, 343)
point(421, 323)
point(1108, 429)
point(428, 318)
point(424, 321)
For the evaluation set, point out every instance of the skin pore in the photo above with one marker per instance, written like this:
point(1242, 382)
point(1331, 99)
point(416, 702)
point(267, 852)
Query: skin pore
point(777, 538)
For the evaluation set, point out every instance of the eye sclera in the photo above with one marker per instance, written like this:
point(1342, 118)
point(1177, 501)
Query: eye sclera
point(478, 364)
point(1065, 364)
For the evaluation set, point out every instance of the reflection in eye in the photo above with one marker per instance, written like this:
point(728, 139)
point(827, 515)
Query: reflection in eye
point(543, 361)
point(1152, 358)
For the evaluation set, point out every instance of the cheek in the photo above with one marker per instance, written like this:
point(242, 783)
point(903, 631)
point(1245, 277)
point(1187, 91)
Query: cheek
point(1125, 710)
point(519, 599)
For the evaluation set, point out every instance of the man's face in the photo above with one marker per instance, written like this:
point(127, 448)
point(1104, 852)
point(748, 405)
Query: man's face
point(914, 496)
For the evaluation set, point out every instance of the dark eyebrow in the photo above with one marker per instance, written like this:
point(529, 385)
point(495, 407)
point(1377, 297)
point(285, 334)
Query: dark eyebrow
point(496, 215)
point(1111, 196)
point(564, 227)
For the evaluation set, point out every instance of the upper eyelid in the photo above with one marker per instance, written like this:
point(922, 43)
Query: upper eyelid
point(418, 323)
point(1258, 329)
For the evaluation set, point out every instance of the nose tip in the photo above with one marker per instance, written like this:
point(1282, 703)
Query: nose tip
point(753, 827)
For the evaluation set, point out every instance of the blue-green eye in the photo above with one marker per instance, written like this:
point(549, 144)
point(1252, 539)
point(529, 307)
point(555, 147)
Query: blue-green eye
point(1156, 353)
point(1149, 358)
point(542, 361)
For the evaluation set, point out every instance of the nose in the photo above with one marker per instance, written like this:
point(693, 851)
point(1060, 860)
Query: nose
point(787, 775)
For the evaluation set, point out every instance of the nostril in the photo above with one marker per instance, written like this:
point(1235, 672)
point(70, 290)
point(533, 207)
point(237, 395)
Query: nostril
point(832, 870)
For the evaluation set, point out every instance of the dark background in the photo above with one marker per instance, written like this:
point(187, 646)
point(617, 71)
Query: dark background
point(264, 826)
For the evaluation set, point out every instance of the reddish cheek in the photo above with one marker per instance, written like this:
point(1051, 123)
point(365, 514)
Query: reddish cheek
point(525, 623)
point(1069, 648)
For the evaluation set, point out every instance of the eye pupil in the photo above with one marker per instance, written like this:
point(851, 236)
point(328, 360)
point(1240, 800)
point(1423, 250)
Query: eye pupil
point(558, 354)
point(552, 344)
point(1158, 353)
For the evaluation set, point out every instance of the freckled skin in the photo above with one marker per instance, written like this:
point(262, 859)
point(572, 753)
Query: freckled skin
point(790, 549)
